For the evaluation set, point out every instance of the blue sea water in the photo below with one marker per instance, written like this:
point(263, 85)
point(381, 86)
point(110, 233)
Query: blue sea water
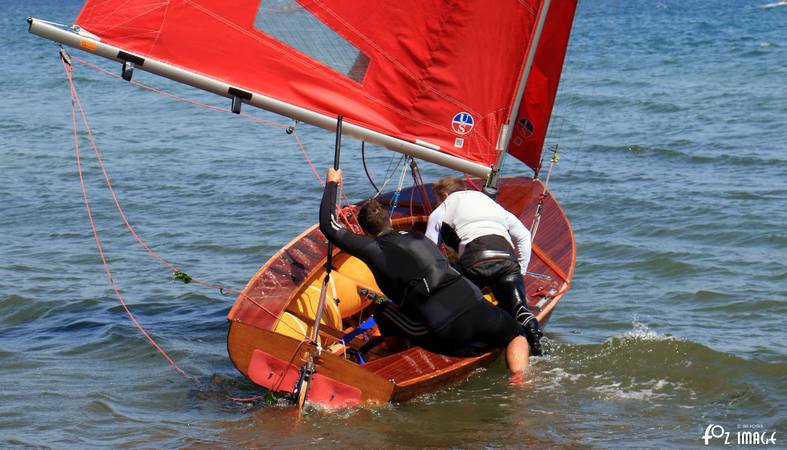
point(672, 123)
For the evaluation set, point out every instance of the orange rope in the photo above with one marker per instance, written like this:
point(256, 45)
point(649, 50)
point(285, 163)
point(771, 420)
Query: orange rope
point(471, 182)
point(131, 229)
point(175, 97)
point(348, 214)
point(75, 100)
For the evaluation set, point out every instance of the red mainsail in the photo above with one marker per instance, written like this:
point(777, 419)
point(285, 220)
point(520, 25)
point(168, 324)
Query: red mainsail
point(438, 72)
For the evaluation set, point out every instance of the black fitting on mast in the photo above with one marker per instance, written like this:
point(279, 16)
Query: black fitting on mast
point(491, 184)
point(236, 104)
point(128, 70)
point(291, 129)
point(65, 56)
point(238, 96)
point(129, 62)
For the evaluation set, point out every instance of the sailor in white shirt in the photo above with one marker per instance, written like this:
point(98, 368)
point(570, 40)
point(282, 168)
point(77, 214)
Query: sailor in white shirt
point(493, 247)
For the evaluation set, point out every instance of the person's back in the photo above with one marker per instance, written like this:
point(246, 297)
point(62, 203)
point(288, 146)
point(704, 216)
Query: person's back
point(409, 256)
point(472, 215)
point(407, 267)
point(411, 271)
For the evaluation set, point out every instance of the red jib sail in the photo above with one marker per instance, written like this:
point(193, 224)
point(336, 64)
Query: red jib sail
point(438, 72)
point(532, 120)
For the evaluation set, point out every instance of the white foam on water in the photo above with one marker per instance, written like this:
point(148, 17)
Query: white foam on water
point(554, 378)
point(560, 374)
point(615, 391)
point(647, 390)
point(640, 331)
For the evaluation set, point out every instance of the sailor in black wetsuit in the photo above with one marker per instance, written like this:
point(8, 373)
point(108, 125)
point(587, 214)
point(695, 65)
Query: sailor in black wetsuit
point(484, 235)
point(435, 307)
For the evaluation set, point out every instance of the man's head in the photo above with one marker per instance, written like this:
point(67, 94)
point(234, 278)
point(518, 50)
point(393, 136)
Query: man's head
point(444, 187)
point(373, 217)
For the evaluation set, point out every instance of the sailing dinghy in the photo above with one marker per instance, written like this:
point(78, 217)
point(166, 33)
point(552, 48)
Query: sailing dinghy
point(459, 84)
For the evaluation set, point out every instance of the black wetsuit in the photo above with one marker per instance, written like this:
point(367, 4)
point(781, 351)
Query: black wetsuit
point(436, 307)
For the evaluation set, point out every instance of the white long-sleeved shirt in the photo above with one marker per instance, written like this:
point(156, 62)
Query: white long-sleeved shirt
point(473, 214)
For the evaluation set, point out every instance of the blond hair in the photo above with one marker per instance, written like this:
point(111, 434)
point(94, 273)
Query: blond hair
point(448, 185)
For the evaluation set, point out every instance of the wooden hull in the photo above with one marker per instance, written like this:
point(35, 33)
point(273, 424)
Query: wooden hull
point(272, 318)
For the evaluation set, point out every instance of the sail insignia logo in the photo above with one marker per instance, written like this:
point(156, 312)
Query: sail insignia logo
point(462, 123)
point(525, 127)
point(754, 435)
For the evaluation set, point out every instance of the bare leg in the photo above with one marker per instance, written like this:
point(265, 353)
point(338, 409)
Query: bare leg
point(517, 354)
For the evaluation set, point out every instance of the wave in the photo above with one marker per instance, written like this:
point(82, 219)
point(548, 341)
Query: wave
point(752, 195)
point(19, 311)
point(689, 155)
point(643, 364)
point(659, 107)
point(746, 305)
point(774, 5)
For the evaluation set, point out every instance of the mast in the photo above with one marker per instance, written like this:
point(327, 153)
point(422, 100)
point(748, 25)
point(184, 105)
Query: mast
point(91, 44)
point(508, 128)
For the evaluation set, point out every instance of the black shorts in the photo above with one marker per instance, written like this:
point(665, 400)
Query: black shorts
point(482, 328)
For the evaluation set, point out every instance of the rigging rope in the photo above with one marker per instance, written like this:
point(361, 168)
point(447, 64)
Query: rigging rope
point(366, 169)
point(472, 183)
point(398, 190)
point(540, 207)
point(418, 182)
point(347, 215)
point(222, 289)
point(74, 103)
point(389, 171)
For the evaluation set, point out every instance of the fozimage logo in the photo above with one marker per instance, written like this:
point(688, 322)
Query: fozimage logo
point(751, 435)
